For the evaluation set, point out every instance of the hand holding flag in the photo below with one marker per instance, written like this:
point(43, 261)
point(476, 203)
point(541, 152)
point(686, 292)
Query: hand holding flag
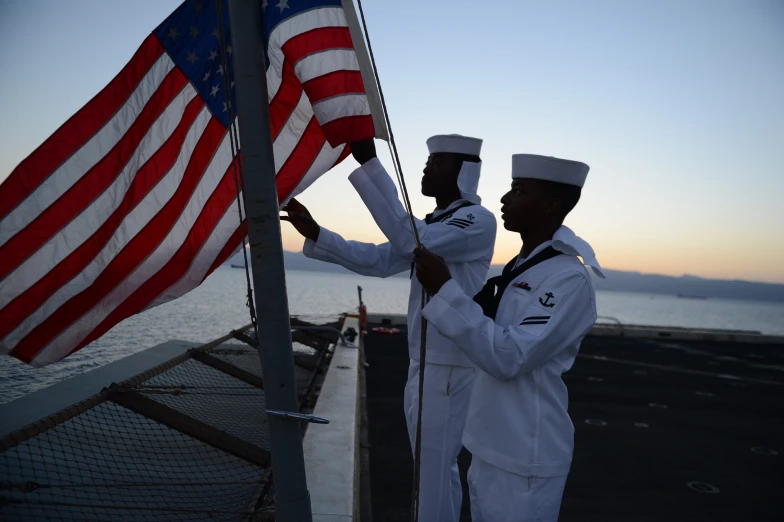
point(300, 218)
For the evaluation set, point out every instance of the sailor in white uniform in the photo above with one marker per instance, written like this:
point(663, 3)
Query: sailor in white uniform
point(462, 232)
point(523, 330)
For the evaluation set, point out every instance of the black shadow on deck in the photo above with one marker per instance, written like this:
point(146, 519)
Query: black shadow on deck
point(659, 417)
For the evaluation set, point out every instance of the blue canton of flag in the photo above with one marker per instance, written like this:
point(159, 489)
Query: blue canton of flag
point(191, 37)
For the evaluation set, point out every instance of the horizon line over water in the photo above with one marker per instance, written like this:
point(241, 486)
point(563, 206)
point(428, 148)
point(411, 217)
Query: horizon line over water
point(685, 275)
point(218, 306)
point(625, 281)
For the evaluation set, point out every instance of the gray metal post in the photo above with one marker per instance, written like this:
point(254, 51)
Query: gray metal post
point(292, 500)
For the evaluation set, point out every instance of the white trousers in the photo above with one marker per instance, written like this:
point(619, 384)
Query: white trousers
point(501, 496)
point(446, 394)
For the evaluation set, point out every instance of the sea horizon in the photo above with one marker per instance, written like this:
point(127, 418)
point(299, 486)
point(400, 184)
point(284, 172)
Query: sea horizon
point(218, 306)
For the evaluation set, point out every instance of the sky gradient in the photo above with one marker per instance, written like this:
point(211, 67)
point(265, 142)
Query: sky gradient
point(677, 106)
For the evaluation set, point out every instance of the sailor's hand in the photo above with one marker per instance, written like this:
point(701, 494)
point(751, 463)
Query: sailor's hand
point(431, 270)
point(363, 151)
point(299, 216)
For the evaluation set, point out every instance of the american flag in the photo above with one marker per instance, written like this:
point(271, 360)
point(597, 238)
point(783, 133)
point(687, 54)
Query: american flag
point(132, 202)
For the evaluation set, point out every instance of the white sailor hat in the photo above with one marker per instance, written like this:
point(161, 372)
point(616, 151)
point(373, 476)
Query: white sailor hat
point(455, 144)
point(549, 168)
point(468, 177)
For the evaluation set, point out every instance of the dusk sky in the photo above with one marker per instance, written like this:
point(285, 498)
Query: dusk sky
point(677, 106)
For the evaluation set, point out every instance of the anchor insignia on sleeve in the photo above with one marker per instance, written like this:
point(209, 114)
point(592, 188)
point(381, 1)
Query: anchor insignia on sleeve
point(547, 302)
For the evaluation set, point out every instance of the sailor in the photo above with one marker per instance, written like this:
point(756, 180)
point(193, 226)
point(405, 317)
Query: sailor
point(523, 330)
point(462, 232)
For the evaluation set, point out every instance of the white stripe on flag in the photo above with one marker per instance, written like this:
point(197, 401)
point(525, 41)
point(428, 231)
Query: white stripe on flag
point(294, 26)
point(81, 328)
point(292, 131)
point(133, 223)
point(341, 107)
point(88, 155)
point(85, 224)
point(319, 64)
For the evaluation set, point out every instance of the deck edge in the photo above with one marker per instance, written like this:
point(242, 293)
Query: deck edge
point(332, 450)
point(42, 403)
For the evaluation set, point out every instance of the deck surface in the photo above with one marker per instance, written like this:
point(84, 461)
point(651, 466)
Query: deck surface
point(651, 417)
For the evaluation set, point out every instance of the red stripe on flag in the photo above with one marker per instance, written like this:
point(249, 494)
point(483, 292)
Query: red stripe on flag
point(349, 129)
point(145, 180)
point(300, 159)
point(230, 246)
point(285, 100)
point(92, 184)
point(290, 91)
point(70, 137)
point(221, 198)
point(134, 253)
point(334, 84)
point(316, 40)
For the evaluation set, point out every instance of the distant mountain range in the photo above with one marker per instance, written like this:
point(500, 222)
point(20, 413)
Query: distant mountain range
point(617, 280)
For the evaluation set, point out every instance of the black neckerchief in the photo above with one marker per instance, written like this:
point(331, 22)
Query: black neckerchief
point(489, 299)
point(429, 220)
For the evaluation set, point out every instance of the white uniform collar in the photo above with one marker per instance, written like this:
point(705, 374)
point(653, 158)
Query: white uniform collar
point(566, 241)
point(521, 259)
point(453, 205)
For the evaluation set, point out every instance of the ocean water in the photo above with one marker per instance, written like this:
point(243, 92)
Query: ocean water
point(218, 306)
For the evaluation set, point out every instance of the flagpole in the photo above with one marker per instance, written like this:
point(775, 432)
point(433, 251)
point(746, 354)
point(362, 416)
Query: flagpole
point(292, 500)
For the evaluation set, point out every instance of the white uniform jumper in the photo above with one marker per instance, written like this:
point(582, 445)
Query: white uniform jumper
point(464, 236)
point(518, 428)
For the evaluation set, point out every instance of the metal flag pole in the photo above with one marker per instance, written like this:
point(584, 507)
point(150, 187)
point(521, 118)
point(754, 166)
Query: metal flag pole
point(292, 500)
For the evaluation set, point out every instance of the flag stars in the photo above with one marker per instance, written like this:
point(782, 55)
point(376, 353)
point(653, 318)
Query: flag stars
point(213, 55)
point(192, 57)
point(214, 90)
point(194, 32)
point(173, 34)
point(264, 4)
point(220, 69)
point(283, 4)
point(226, 107)
point(206, 77)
